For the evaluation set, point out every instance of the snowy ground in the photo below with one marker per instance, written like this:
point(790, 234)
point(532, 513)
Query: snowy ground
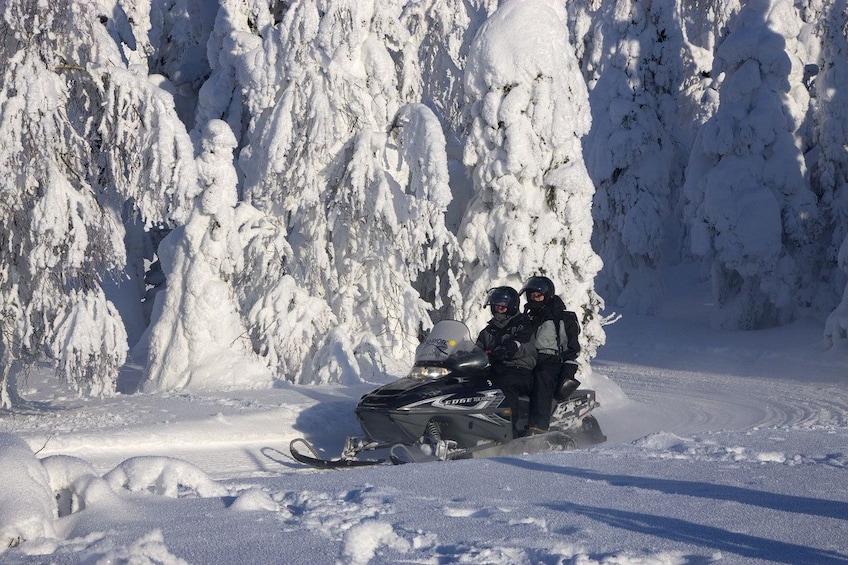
point(723, 447)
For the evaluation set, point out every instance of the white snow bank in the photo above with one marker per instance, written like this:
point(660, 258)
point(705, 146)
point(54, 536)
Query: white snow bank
point(26, 500)
point(76, 485)
point(254, 499)
point(165, 476)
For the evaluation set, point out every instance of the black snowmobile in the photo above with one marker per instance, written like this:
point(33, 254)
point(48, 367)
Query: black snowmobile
point(448, 408)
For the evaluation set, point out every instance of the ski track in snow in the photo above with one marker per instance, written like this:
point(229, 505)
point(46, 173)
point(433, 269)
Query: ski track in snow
point(693, 406)
point(734, 387)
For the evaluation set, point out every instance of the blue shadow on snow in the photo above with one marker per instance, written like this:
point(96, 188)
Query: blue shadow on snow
point(708, 536)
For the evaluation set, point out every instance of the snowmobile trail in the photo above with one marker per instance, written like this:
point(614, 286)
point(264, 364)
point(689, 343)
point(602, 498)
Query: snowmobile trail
point(717, 403)
point(740, 390)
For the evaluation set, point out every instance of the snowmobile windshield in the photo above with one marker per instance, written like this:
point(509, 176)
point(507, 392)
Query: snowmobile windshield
point(449, 345)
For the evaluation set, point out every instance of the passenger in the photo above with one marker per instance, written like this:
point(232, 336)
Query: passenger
point(556, 332)
point(507, 341)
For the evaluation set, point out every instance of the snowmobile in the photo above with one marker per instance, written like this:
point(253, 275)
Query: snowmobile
point(448, 407)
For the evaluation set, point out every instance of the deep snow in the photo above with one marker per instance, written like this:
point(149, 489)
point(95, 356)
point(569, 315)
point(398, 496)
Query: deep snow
point(727, 447)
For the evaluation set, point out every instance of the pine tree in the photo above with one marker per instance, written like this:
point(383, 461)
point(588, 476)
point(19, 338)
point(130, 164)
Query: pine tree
point(528, 109)
point(340, 158)
point(631, 150)
point(749, 208)
point(830, 174)
point(703, 24)
point(198, 340)
point(443, 32)
point(87, 148)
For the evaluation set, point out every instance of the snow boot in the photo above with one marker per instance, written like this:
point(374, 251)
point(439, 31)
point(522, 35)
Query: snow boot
point(565, 389)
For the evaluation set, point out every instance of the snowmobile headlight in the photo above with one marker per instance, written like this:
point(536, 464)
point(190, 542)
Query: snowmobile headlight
point(428, 373)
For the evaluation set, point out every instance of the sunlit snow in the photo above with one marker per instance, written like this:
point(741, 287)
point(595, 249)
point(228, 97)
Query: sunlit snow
point(723, 447)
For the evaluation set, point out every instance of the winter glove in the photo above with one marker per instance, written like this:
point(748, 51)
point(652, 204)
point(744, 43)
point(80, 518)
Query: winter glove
point(502, 352)
point(496, 355)
point(510, 348)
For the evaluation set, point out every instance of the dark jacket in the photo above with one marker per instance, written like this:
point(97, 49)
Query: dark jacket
point(516, 328)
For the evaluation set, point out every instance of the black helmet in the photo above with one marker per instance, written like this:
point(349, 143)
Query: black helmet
point(503, 296)
point(542, 285)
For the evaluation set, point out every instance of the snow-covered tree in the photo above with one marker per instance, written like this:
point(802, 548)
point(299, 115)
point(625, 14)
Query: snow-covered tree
point(830, 174)
point(175, 45)
point(285, 323)
point(631, 153)
point(198, 340)
point(583, 20)
point(243, 80)
point(358, 176)
point(749, 207)
point(704, 24)
point(86, 144)
point(325, 229)
point(836, 325)
point(444, 31)
point(528, 109)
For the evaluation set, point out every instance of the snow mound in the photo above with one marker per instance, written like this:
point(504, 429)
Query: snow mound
point(27, 511)
point(363, 540)
point(165, 476)
point(254, 499)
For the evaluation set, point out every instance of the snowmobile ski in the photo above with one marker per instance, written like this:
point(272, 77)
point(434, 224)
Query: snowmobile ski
point(443, 450)
point(315, 460)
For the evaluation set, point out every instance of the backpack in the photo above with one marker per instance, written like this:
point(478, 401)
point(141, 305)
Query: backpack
point(569, 346)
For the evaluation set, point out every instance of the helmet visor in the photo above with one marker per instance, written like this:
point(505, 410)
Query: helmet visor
point(537, 284)
point(498, 297)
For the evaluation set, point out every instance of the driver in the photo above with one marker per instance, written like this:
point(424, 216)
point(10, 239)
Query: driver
point(507, 340)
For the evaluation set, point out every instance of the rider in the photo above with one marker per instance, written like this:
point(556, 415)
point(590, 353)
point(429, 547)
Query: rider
point(556, 341)
point(507, 339)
